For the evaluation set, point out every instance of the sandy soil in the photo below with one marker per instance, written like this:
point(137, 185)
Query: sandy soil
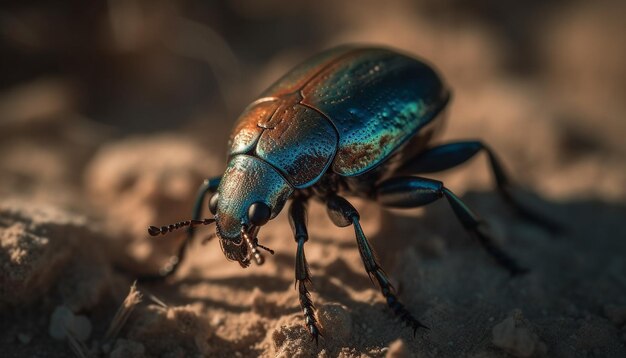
point(79, 187)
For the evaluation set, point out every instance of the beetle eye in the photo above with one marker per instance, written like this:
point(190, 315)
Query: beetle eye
point(213, 203)
point(259, 214)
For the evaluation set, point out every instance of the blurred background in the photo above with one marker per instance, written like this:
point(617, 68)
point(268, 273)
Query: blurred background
point(78, 74)
point(118, 109)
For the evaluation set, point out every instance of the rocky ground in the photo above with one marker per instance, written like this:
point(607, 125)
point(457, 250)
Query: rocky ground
point(86, 165)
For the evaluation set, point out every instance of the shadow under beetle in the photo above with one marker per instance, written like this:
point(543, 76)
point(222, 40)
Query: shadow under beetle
point(353, 121)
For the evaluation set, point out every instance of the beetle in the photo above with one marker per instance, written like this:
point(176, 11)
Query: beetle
point(351, 121)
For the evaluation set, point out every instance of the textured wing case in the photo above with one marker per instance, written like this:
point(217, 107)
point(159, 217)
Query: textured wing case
point(247, 130)
point(298, 77)
point(303, 149)
point(296, 140)
point(377, 99)
point(348, 108)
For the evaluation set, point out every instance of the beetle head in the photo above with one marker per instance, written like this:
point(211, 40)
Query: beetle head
point(250, 193)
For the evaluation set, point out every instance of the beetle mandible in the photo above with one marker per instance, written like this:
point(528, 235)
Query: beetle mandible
point(351, 121)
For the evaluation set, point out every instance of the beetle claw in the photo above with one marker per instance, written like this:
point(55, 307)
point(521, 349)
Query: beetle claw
point(315, 334)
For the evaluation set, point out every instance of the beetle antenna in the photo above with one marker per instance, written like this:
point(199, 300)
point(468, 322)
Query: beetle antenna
point(154, 231)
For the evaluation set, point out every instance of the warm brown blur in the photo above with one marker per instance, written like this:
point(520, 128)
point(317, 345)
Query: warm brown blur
point(118, 109)
point(143, 67)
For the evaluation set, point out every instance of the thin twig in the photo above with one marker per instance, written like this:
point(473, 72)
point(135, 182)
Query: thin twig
point(121, 316)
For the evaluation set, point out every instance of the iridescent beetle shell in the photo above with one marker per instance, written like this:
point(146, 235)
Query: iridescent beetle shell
point(351, 121)
point(345, 111)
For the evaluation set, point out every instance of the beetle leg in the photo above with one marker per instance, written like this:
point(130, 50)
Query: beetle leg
point(450, 155)
point(297, 219)
point(409, 192)
point(208, 186)
point(342, 213)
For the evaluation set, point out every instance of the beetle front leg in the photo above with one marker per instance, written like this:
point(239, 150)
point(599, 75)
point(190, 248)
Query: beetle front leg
point(208, 186)
point(297, 219)
point(410, 192)
point(450, 155)
point(342, 213)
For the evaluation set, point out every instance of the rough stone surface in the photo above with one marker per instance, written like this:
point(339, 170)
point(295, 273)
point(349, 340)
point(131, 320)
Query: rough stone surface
point(292, 340)
point(128, 349)
point(36, 243)
point(335, 319)
point(173, 330)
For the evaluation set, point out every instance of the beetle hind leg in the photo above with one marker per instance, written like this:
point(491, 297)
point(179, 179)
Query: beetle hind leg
point(450, 155)
point(344, 214)
point(473, 225)
point(410, 192)
point(297, 219)
point(373, 269)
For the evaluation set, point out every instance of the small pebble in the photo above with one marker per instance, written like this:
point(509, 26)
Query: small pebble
point(338, 316)
point(63, 321)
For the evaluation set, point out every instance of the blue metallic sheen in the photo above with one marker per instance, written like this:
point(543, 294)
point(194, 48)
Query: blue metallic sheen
point(340, 114)
point(408, 192)
point(301, 149)
point(377, 99)
point(247, 180)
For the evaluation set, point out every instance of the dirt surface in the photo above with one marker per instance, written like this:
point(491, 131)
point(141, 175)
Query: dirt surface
point(119, 137)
